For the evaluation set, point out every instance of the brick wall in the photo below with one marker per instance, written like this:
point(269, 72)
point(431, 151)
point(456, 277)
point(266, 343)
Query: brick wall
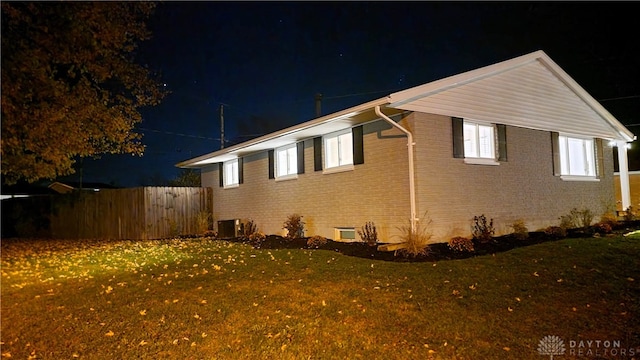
point(374, 191)
point(449, 192)
point(522, 187)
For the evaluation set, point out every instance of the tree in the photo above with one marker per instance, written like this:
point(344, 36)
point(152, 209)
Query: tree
point(187, 177)
point(70, 86)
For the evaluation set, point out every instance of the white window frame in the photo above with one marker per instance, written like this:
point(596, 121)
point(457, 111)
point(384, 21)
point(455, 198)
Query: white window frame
point(287, 169)
point(338, 151)
point(473, 153)
point(581, 166)
point(230, 174)
point(338, 231)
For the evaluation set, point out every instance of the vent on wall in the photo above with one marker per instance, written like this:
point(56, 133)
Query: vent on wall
point(229, 228)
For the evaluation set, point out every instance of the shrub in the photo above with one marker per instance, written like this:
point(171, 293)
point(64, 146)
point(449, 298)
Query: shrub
point(576, 219)
point(416, 238)
point(294, 226)
point(204, 222)
point(257, 237)
point(461, 244)
point(249, 229)
point(609, 218)
point(556, 232)
point(520, 230)
point(629, 214)
point(369, 234)
point(211, 233)
point(316, 241)
point(602, 228)
point(482, 230)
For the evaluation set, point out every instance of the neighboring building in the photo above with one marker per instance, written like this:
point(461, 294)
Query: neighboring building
point(516, 140)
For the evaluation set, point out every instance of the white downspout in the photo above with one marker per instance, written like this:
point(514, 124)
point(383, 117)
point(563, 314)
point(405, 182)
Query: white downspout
point(410, 145)
point(623, 168)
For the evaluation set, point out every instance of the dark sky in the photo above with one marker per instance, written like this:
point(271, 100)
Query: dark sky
point(265, 61)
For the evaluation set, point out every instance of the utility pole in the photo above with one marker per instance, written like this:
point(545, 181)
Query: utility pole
point(221, 126)
point(318, 104)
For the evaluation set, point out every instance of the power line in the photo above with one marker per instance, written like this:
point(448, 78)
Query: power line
point(621, 98)
point(179, 134)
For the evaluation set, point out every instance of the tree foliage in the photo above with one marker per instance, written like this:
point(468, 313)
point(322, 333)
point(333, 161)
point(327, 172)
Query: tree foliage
point(70, 84)
point(187, 177)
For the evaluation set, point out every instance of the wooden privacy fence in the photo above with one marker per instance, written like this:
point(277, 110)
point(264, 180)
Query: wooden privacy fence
point(134, 213)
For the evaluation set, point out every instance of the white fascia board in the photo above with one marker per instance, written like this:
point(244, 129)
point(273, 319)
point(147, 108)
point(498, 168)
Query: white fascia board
point(315, 127)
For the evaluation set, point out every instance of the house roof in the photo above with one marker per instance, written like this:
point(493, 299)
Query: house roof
point(529, 91)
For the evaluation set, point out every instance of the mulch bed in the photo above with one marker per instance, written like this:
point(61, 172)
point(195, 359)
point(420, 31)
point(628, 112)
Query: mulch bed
point(436, 252)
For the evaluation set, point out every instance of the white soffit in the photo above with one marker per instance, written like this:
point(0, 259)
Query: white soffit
point(323, 125)
point(530, 91)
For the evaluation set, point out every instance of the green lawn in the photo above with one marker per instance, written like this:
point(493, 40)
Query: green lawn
point(210, 299)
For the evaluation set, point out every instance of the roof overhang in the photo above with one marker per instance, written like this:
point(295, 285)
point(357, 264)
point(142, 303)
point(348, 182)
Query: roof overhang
point(414, 98)
point(317, 127)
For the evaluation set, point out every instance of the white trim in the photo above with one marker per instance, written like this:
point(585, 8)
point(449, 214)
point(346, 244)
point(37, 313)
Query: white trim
point(286, 177)
point(481, 161)
point(635, 172)
point(578, 178)
point(338, 169)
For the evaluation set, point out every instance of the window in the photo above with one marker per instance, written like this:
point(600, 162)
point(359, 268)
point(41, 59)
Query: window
point(231, 173)
point(338, 149)
point(479, 141)
point(577, 156)
point(286, 161)
point(345, 234)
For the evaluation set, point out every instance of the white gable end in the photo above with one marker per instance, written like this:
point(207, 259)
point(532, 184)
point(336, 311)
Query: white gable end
point(528, 94)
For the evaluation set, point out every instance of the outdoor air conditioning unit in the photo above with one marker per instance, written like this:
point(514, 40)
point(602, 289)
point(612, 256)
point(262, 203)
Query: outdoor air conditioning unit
point(230, 228)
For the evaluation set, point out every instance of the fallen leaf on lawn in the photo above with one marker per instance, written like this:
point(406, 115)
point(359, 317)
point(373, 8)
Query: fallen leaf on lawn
point(535, 273)
point(510, 309)
point(506, 348)
point(143, 312)
point(109, 333)
point(630, 279)
point(142, 343)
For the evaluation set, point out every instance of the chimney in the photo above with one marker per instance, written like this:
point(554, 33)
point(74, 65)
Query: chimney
point(318, 105)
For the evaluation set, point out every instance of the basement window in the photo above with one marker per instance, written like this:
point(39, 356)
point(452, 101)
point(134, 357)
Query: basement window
point(345, 234)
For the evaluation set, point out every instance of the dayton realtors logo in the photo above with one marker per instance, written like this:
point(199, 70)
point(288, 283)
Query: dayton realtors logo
point(554, 345)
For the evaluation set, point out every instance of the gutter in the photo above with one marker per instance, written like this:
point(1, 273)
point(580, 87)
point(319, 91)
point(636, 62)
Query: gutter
point(410, 145)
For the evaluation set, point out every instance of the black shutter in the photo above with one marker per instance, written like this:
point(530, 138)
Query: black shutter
point(300, 157)
point(599, 151)
point(555, 150)
point(458, 137)
point(272, 174)
point(220, 172)
point(358, 145)
point(502, 142)
point(240, 171)
point(317, 154)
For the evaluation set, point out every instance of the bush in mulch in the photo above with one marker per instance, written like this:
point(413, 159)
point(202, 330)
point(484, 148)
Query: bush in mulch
point(437, 251)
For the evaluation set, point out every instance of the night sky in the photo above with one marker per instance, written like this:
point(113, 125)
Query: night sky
point(264, 62)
